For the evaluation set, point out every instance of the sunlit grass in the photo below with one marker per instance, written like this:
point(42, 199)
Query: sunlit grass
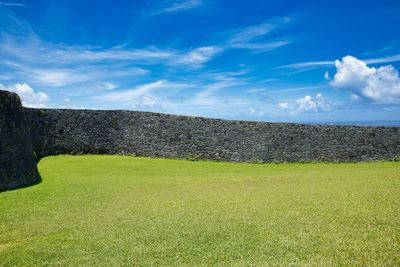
point(114, 210)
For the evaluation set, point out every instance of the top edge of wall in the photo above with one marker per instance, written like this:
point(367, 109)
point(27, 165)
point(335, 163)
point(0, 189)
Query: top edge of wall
point(215, 119)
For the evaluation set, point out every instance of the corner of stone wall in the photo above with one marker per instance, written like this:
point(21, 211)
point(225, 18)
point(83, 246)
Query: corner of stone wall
point(17, 164)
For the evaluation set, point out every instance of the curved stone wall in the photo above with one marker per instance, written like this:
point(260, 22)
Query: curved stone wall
point(17, 164)
point(161, 135)
point(44, 132)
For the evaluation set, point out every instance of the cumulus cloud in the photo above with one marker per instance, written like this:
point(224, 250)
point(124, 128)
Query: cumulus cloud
point(380, 84)
point(307, 104)
point(322, 103)
point(29, 97)
point(284, 105)
point(313, 104)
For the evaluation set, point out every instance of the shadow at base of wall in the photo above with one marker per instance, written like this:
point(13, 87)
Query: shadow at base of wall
point(17, 186)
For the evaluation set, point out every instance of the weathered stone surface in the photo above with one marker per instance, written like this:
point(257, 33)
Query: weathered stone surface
point(160, 135)
point(17, 164)
point(43, 132)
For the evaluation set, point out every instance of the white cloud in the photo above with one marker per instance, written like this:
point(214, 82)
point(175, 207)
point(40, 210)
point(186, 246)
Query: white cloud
point(322, 103)
point(307, 65)
point(307, 104)
point(53, 64)
point(106, 86)
point(67, 104)
point(28, 96)
point(132, 94)
point(354, 97)
point(351, 72)
point(178, 6)
point(325, 63)
point(380, 84)
point(255, 112)
point(206, 97)
point(144, 102)
point(32, 49)
point(60, 77)
point(82, 53)
point(109, 86)
point(263, 47)
point(84, 71)
point(141, 93)
point(246, 38)
point(183, 5)
point(13, 4)
point(387, 59)
point(246, 34)
point(58, 65)
point(197, 57)
point(103, 86)
point(57, 78)
point(284, 105)
point(327, 76)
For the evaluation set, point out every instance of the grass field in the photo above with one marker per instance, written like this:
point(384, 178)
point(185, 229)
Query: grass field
point(114, 210)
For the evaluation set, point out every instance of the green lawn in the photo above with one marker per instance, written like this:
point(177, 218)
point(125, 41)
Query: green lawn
point(115, 210)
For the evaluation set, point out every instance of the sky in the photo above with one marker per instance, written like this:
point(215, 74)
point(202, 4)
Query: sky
point(277, 61)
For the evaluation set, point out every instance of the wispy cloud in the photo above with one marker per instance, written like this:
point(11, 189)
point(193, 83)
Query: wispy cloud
point(196, 57)
point(310, 64)
point(205, 97)
point(177, 6)
point(13, 4)
point(143, 96)
point(196, 94)
point(58, 65)
point(47, 75)
point(159, 89)
point(244, 35)
point(32, 49)
point(387, 59)
point(174, 80)
point(131, 94)
point(183, 5)
point(253, 37)
point(317, 64)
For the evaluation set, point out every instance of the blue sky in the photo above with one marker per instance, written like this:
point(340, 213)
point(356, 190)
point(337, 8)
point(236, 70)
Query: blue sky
point(291, 61)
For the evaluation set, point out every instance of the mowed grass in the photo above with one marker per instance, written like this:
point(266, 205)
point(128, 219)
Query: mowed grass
point(115, 210)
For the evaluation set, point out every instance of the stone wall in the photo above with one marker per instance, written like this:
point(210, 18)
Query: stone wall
point(17, 164)
point(26, 132)
point(161, 135)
